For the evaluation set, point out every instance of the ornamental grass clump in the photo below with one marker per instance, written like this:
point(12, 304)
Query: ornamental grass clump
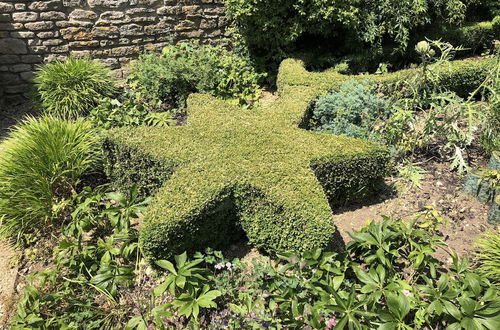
point(71, 88)
point(488, 255)
point(40, 166)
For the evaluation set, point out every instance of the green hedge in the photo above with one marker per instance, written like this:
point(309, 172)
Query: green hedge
point(476, 37)
point(462, 77)
point(231, 170)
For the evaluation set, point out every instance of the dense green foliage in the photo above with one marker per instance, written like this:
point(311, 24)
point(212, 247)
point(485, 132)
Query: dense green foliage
point(488, 256)
point(420, 113)
point(281, 23)
point(350, 111)
point(41, 163)
point(126, 111)
point(496, 25)
point(96, 260)
point(387, 277)
point(462, 77)
point(231, 176)
point(188, 68)
point(472, 37)
point(73, 87)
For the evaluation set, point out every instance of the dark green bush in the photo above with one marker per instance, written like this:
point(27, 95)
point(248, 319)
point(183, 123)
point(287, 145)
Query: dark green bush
point(496, 27)
point(41, 163)
point(474, 37)
point(73, 87)
point(275, 25)
point(188, 67)
point(350, 111)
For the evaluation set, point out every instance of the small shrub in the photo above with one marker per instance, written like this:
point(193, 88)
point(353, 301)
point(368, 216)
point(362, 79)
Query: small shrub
point(71, 88)
point(40, 165)
point(351, 111)
point(188, 68)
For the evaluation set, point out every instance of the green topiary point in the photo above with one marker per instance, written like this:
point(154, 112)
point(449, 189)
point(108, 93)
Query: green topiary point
point(230, 168)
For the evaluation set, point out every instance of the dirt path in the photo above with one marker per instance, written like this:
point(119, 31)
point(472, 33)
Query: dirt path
point(8, 278)
point(8, 269)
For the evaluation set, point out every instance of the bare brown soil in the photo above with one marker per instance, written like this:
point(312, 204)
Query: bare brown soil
point(442, 189)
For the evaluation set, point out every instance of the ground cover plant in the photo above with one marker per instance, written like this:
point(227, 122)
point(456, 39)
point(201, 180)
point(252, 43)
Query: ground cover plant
point(386, 278)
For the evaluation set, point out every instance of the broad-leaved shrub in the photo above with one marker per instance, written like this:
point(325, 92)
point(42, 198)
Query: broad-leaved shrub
point(188, 67)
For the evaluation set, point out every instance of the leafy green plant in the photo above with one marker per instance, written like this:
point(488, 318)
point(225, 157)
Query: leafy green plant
point(112, 113)
point(73, 87)
point(188, 67)
point(96, 259)
point(428, 119)
point(41, 164)
point(412, 173)
point(487, 255)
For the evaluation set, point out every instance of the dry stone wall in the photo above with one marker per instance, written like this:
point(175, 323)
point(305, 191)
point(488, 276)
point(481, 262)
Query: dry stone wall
point(115, 31)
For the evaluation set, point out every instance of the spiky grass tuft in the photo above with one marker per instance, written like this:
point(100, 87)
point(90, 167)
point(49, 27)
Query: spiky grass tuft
point(487, 255)
point(71, 88)
point(40, 165)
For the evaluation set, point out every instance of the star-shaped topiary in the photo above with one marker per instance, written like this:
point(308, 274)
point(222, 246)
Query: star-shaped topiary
point(231, 168)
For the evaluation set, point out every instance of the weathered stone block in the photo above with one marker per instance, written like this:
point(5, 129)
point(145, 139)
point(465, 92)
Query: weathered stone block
point(12, 46)
point(9, 78)
point(131, 30)
point(45, 5)
point(20, 67)
point(9, 59)
point(27, 76)
point(111, 32)
point(52, 42)
point(28, 16)
point(79, 14)
point(22, 34)
point(5, 18)
point(6, 7)
point(37, 26)
point(108, 3)
point(31, 59)
point(53, 15)
point(76, 33)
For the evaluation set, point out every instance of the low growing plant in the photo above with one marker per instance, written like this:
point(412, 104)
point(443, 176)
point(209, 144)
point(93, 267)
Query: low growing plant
point(352, 111)
point(41, 163)
point(73, 87)
point(96, 260)
point(112, 113)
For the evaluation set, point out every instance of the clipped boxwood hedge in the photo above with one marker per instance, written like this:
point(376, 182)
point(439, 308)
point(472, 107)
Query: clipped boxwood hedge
point(462, 77)
point(231, 170)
